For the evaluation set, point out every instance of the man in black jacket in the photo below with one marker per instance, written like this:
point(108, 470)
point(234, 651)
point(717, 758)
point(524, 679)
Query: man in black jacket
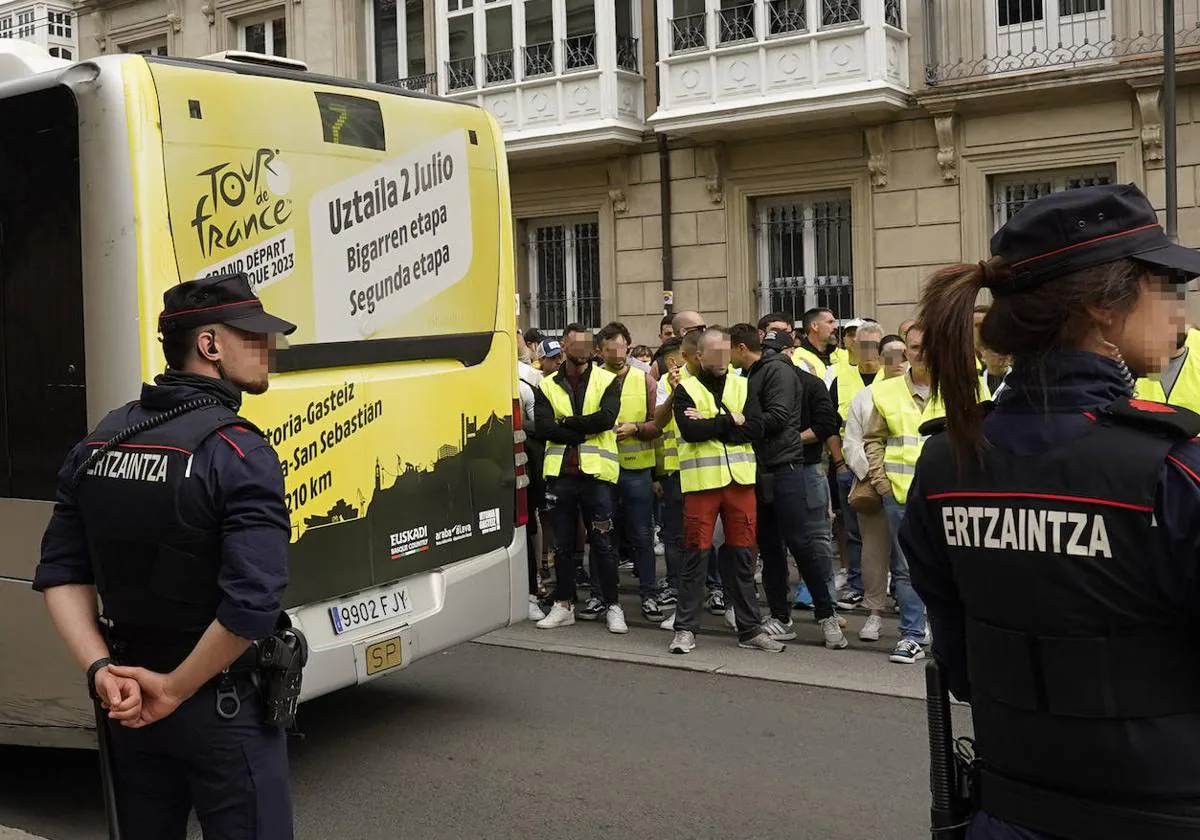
point(777, 394)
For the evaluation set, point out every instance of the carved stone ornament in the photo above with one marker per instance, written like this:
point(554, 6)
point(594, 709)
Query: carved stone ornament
point(101, 35)
point(711, 163)
point(173, 17)
point(209, 11)
point(618, 182)
point(947, 154)
point(1149, 100)
point(877, 155)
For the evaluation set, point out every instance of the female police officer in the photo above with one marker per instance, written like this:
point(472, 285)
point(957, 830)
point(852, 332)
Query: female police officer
point(173, 510)
point(1056, 539)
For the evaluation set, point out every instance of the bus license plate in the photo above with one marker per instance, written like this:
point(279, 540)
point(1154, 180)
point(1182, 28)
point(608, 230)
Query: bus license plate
point(369, 608)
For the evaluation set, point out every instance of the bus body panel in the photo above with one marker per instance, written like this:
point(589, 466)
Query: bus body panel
point(399, 457)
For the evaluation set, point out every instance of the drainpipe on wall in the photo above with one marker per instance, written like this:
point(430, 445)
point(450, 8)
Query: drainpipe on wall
point(1169, 128)
point(668, 266)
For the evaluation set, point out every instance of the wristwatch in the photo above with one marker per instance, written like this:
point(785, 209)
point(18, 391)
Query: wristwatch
point(92, 670)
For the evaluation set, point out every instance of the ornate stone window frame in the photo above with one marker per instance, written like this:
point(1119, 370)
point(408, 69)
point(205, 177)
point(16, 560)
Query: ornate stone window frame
point(223, 17)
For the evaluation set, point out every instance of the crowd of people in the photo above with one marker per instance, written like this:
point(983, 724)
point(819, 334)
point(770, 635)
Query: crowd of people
point(727, 451)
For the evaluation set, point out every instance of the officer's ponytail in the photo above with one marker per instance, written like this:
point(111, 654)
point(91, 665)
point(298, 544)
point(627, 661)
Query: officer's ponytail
point(948, 343)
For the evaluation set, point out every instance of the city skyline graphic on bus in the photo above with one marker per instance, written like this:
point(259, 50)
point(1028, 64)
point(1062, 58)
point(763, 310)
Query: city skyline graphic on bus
point(417, 517)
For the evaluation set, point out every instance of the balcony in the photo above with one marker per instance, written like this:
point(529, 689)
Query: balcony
point(425, 83)
point(583, 87)
point(996, 39)
point(775, 61)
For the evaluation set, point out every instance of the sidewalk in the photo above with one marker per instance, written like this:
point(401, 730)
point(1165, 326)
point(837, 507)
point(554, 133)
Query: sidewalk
point(16, 834)
point(863, 667)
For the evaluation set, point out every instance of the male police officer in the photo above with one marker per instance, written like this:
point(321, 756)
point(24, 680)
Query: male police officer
point(173, 510)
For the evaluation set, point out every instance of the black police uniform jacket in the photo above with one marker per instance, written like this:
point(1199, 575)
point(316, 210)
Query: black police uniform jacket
point(1081, 682)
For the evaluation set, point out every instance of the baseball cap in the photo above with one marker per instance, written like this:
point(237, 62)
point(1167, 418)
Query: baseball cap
point(220, 299)
point(551, 347)
point(1082, 228)
point(851, 323)
point(779, 340)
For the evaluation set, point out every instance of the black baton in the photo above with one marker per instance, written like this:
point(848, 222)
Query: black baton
point(107, 777)
point(943, 786)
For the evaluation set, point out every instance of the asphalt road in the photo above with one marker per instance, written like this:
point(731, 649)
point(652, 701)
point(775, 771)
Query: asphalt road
point(486, 742)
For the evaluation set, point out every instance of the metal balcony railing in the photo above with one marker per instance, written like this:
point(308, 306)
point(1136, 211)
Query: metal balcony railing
point(993, 37)
point(579, 51)
point(736, 24)
point(498, 67)
point(627, 54)
point(425, 83)
point(460, 73)
point(786, 17)
point(539, 60)
point(688, 33)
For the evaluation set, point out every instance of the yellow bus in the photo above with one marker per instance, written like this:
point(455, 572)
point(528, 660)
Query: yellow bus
point(378, 221)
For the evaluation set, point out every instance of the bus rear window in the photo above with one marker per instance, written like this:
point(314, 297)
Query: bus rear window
point(43, 410)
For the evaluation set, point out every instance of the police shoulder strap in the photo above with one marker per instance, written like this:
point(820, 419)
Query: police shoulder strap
point(1161, 418)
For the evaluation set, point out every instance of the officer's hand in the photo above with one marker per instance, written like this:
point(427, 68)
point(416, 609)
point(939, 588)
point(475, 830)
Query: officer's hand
point(159, 697)
point(121, 696)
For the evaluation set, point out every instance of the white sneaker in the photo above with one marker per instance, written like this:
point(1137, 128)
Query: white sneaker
point(560, 616)
point(870, 630)
point(615, 617)
point(535, 611)
point(779, 631)
point(839, 580)
point(684, 642)
point(659, 548)
point(835, 639)
point(730, 619)
point(669, 624)
point(928, 634)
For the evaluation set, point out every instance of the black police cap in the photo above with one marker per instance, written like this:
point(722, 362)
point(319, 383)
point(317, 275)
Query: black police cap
point(221, 299)
point(1082, 228)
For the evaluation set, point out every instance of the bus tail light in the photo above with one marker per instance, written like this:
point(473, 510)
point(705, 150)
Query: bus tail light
point(522, 464)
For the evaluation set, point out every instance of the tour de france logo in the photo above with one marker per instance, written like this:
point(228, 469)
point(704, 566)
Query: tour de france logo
point(240, 201)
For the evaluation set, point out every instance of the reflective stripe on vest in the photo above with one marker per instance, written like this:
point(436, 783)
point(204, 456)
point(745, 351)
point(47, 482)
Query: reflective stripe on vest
point(635, 454)
point(849, 383)
point(598, 454)
point(712, 464)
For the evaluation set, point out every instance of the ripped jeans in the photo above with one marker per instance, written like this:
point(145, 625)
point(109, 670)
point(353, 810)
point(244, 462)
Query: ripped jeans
point(567, 497)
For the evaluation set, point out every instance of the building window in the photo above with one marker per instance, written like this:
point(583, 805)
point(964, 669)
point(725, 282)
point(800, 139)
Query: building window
point(460, 69)
point(627, 42)
point(892, 14)
point(735, 22)
point(539, 39)
point(805, 254)
point(498, 60)
point(564, 272)
point(59, 24)
point(61, 52)
point(400, 44)
point(579, 50)
point(6, 26)
point(689, 29)
point(266, 35)
point(838, 12)
point(1012, 192)
point(25, 27)
point(154, 47)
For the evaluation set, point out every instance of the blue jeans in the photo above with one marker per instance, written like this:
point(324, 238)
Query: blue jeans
point(672, 525)
point(635, 501)
point(783, 520)
point(912, 609)
point(818, 525)
point(853, 535)
point(566, 497)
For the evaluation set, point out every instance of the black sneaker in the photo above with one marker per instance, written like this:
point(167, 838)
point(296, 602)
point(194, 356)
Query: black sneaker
point(582, 579)
point(652, 611)
point(592, 610)
point(667, 597)
point(849, 599)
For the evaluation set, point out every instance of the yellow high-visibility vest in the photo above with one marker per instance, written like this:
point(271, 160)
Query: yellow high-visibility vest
point(1185, 393)
point(896, 406)
point(635, 454)
point(814, 361)
point(598, 455)
point(712, 464)
point(839, 355)
point(849, 383)
point(666, 446)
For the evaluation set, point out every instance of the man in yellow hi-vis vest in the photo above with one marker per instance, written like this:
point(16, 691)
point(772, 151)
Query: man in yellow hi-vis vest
point(892, 441)
point(716, 474)
point(574, 412)
point(1179, 383)
point(814, 352)
point(636, 433)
